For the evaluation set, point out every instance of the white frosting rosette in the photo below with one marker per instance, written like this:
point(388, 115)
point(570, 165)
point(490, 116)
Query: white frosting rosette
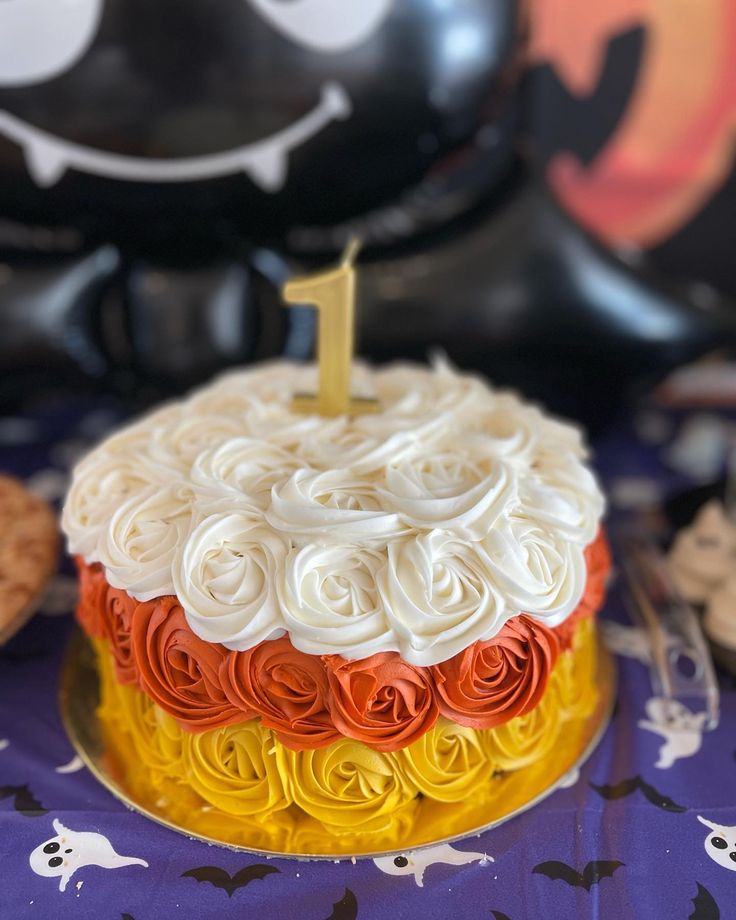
point(504, 429)
point(418, 529)
point(562, 493)
point(330, 507)
point(415, 393)
point(225, 575)
point(450, 491)
point(138, 545)
point(438, 597)
point(365, 454)
point(133, 439)
point(242, 470)
point(101, 483)
point(330, 601)
point(175, 447)
point(536, 569)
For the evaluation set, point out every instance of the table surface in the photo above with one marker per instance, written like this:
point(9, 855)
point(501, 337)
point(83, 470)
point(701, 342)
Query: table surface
point(634, 805)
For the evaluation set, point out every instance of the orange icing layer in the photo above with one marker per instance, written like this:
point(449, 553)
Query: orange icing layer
point(311, 701)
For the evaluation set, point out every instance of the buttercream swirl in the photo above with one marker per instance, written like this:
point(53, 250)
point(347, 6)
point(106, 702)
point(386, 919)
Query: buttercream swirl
point(288, 689)
point(536, 569)
point(437, 596)
point(450, 491)
point(346, 786)
point(526, 739)
point(235, 769)
point(157, 739)
point(449, 763)
point(101, 482)
point(451, 510)
point(491, 682)
point(117, 619)
point(92, 597)
point(330, 602)
point(177, 669)
point(330, 507)
point(241, 471)
point(138, 547)
point(224, 578)
point(381, 700)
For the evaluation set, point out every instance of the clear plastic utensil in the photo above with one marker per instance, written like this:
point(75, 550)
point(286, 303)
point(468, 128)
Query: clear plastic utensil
point(681, 667)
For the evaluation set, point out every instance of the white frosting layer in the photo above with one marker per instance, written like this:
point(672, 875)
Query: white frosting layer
point(419, 529)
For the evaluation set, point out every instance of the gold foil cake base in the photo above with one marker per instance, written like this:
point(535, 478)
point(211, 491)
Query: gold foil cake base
point(430, 823)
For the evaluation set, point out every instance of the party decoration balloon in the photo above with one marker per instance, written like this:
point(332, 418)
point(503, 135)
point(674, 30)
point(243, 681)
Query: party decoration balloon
point(39, 39)
point(145, 124)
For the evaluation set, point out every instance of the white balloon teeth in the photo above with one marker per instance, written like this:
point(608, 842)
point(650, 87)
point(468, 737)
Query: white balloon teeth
point(265, 161)
point(418, 530)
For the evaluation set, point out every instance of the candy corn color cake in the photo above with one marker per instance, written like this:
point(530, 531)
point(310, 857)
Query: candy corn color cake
point(315, 625)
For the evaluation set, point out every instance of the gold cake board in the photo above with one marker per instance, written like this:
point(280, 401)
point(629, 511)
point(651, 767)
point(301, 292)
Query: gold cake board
point(513, 793)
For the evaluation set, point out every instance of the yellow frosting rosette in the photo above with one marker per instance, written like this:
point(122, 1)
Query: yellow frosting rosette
point(448, 763)
point(572, 683)
point(155, 736)
point(347, 786)
point(526, 739)
point(234, 768)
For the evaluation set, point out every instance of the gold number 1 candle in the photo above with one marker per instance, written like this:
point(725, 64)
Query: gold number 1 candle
point(332, 292)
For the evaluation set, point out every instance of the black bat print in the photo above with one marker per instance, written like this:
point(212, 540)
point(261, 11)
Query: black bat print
point(219, 878)
point(126, 917)
point(705, 907)
point(628, 786)
point(24, 801)
point(346, 908)
point(498, 915)
point(591, 874)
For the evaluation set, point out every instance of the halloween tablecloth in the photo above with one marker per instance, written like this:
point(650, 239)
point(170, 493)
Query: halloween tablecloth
point(623, 839)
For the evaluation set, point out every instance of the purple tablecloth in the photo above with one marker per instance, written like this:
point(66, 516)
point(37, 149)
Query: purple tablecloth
point(634, 805)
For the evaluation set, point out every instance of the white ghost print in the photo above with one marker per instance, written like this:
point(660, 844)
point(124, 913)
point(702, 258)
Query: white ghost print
point(415, 862)
point(720, 844)
point(681, 729)
point(70, 850)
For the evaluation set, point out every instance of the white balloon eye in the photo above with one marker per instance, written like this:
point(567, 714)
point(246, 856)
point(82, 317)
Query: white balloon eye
point(324, 25)
point(40, 39)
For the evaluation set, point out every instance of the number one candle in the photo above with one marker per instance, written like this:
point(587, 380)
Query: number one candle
point(332, 292)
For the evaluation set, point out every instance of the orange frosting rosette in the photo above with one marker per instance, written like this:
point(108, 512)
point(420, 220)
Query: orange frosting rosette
point(381, 700)
point(92, 593)
point(286, 687)
point(178, 670)
point(491, 682)
point(118, 612)
point(598, 563)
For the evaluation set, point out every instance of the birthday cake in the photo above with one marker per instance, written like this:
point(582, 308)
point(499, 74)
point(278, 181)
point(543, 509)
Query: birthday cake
point(310, 629)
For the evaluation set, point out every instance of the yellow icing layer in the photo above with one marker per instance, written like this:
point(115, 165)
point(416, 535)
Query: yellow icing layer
point(243, 773)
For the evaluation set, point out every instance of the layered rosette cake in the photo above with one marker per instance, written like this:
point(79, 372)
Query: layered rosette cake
point(316, 628)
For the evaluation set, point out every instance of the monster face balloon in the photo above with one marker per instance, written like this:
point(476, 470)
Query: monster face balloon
point(134, 119)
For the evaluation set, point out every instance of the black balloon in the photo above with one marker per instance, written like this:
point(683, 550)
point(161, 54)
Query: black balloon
point(165, 165)
point(526, 297)
point(181, 127)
